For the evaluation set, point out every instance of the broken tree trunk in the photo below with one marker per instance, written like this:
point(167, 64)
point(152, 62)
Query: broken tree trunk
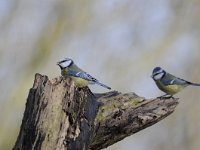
point(60, 116)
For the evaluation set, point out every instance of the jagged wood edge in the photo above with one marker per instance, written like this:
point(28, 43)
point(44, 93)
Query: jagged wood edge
point(122, 115)
point(119, 115)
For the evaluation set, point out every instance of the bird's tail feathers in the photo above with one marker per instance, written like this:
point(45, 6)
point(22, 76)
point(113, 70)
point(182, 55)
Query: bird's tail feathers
point(194, 84)
point(103, 85)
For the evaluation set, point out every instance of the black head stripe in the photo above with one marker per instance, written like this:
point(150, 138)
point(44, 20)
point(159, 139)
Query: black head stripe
point(158, 73)
point(65, 62)
point(66, 59)
point(71, 63)
point(157, 69)
point(164, 73)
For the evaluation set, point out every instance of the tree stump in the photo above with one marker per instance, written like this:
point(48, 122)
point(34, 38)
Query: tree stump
point(60, 116)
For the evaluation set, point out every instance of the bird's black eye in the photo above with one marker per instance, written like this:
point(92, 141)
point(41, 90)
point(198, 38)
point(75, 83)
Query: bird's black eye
point(155, 74)
point(62, 61)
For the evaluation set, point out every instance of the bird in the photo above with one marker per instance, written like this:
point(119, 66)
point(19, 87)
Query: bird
point(80, 77)
point(169, 83)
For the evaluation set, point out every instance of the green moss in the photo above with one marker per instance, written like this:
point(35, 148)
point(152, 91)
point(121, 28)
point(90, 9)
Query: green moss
point(135, 102)
point(117, 103)
point(105, 109)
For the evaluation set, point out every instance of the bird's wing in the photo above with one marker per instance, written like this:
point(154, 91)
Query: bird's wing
point(175, 81)
point(83, 75)
point(86, 76)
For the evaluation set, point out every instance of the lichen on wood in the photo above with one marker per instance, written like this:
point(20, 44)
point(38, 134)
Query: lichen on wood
point(59, 115)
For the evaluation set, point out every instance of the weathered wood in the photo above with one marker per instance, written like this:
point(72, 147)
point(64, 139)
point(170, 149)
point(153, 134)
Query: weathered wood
point(61, 116)
point(57, 116)
point(121, 115)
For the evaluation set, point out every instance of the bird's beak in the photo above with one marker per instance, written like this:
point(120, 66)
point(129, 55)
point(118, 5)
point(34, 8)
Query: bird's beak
point(151, 76)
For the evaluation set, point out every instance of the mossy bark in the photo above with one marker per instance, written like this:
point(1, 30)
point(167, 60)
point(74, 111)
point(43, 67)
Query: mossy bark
point(60, 116)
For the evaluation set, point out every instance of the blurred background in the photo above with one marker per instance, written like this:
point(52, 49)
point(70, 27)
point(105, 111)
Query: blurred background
point(119, 43)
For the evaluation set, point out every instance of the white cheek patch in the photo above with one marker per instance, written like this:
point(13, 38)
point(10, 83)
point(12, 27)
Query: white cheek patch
point(66, 63)
point(158, 76)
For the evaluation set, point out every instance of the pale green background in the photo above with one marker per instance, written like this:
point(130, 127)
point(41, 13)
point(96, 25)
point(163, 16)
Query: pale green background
point(117, 41)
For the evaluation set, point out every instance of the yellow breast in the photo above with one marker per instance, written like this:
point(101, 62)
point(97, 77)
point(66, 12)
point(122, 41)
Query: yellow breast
point(169, 89)
point(79, 82)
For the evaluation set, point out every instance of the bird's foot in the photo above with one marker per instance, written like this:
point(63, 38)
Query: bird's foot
point(165, 97)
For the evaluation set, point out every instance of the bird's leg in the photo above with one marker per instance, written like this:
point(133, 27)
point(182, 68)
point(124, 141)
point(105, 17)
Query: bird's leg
point(163, 96)
point(170, 96)
point(166, 96)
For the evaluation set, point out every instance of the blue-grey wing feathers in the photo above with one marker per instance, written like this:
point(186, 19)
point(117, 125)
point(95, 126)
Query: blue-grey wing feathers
point(86, 76)
point(195, 84)
point(178, 81)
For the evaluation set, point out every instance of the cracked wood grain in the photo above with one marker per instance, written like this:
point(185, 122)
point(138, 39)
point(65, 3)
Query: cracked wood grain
point(122, 115)
point(60, 116)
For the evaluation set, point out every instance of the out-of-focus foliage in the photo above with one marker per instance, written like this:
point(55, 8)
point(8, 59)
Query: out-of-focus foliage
point(118, 42)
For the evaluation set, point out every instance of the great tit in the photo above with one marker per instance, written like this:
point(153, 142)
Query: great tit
point(168, 83)
point(80, 77)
